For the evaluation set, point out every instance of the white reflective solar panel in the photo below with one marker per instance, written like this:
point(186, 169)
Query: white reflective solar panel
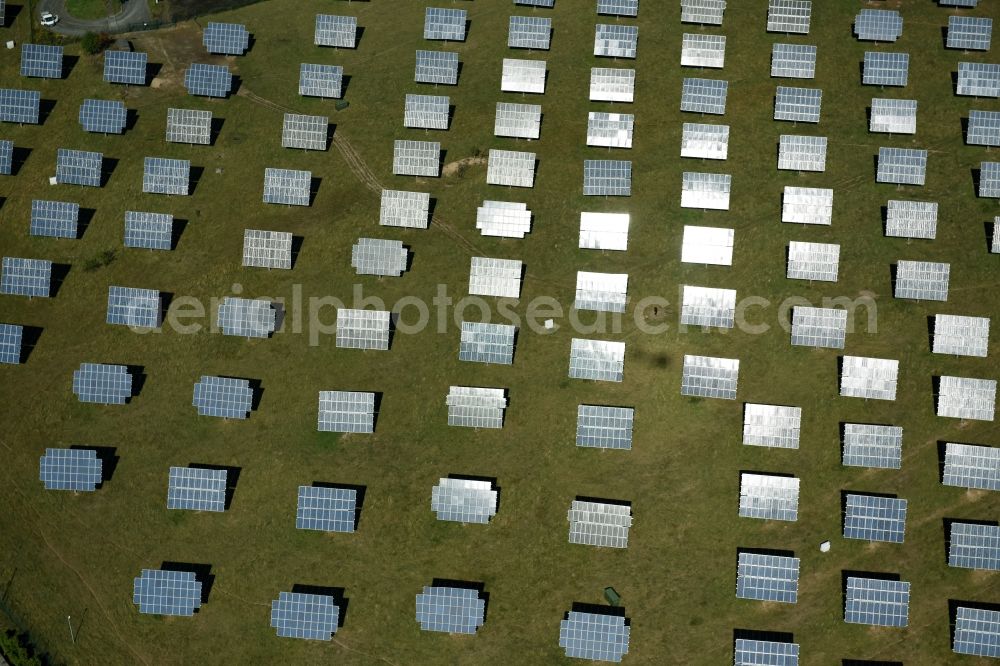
point(699, 50)
point(974, 546)
point(305, 132)
point(961, 336)
point(245, 317)
point(751, 652)
point(604, 427)
point(79, 470)
point(802, 153)
point(819, 327)
point(464, 500)
point(793, 61)
point(337, 31)
point(790, 16)
point(877, 602)
point(267, 249)
point(798, 105)
point(189, 126)
point(769, 497)
point(223, 397)
point(911, 219)
point(306, 616)
point(11, 337)
point(869, 378)
point(978, 79)
point(868, 445)
point(885, 69)
point(506, 219)
point(453, 610)
point(103, 116)
point(705, 190)
point(326, 509)
point(7, 156)
point(437, 67)
point(977, 632)
point(426, 111)
point(967, 398)
point(970, 33)
point(874, 518)
point(807, 205)
point(476, 407)
point(971, 466)
point(165, 176)
point(773, 426)
point(878, 25)
point(601, 292)
point(346, 411)
point(922, 280)
point(984, 128)
point(226, 38)
point(618, 7)
point(707, 245)
point(376, 256)
point(102, 384)
point(19, 106)
point(948, 3)
point(704, 306)
point(529, 32)
point(524, 76)
point(197, 489)
point(615, 41)
point(710, 377)
point(611, 130)
point(208, 80)
point(42, 60)
point(287, 186)
point(55, 219)
point(707, 12)
point(79, 167)
point(989, 181)
point(599, 524)
point(813, 261)
point(416, 158)
point(162, 592)
point(709, 142)
point(136, 308)
point(607, 178)
point(405, 209)
point(893, 116)
point(767, 577)
point(511, 168)
point(445, 24)
point(598, 360)
point(604, 231)
point(612, 85)
point(495, 277)
point(487, 343)
point(594, 636)
point(546, 3)
point(521, 121)
point(363, 329)
point(320, 80)
point(704, 95)
point(25, 277)
point(126, 67)
point(902, 166)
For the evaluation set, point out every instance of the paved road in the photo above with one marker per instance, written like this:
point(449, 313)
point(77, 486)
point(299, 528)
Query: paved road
point(133, 11)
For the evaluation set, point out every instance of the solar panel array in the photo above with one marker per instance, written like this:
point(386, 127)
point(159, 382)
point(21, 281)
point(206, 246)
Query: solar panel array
point(977, 632)
point(426, 111)
point(538, 3)
point(707, 12)
point(911, 219)
point(245, 317)
point(326, 509)
point(363, 329)
point(529, 32)
point(189, 126)
point(978, 79)
point(599, 524)
point(346, 411)
point(967, 398)
point(868, 445)
point(224, 397)
point(267, 249)
point(437, 67)
point(79, 470)
point(475, 407)
point(445, 24)
point(878, 25)
point(874, 518)
point(903, 166)
point(751, 652)
point(128, 67)
point(55, 219)
point(970, 33)
point(923, 280)
point(594, 636)
point(6, 156)
point(337, 31)
point(707, 245)
point(703, 50)
point(807, 205)
point(704, 306)
point(165, 176)
point(405, 209)
point(416, 158)
point(604, 231)
point(989, 180)
point(208, 80)
point(971, 466)
point(704, 95)
point(598, 360)
point(607, 178)
point(877, 602)
point(799, 105)
point(160, 592)
point(136, 308)
point(961, 336)
point(893, 116)
point(11, 337)
point(306, 616)
point(321, 80)
point(710, 377)
point(793, 61)
point(495, 277)
point(287, 186)
point(984, 128)
point(708, 191)
point(19, 106)
point(767, 577)
point(791, 16)
point(521, 121)
point(464, 500)
point(305, 132)
point(612, 130)
point(102, 115)
point(708, 142)
point(453, 610)
point(487, 343)
point(773, 426)
point(769, 497)
point(375, 256)
point(601, 292)
point(79, 167)
point(226, 38)
point(813, 261)
point(869, 378)
point(616, 40)
point(42, 61)
point(974, 546)
point(26, 277)
point(886, 69)
point(618, 7)
point(197, 489)
point(524, 76)
point(612, 85)
point(507, 219)
point(802, 153)
point(102, 384)
point(819, 327)
point(602, 427)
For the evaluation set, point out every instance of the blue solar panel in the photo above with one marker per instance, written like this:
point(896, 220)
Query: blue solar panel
point(594, 636)
point(6, 157)
point(197, 489)
point(151, 231)
point(19, 106)
point(877, 602)
point(977, 632)
point(25, 277)
point(326, 509)
point(11, 336)
point(455, 610)
point(102, 384)
point(125, 67)
point(41, 60)
point(161, 175)
point(308, 616)
point(138, 308)
point(79, 167)
point(767, 577)
point(208, 80)
point(167, 592)
point(226, 38)
point(103, 115)
point(224, 397)
point(56, 219)
point(70, 469)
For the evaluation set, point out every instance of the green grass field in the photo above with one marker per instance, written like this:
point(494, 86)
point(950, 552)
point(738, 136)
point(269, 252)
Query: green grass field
point(92, 9)
point(77, 554)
